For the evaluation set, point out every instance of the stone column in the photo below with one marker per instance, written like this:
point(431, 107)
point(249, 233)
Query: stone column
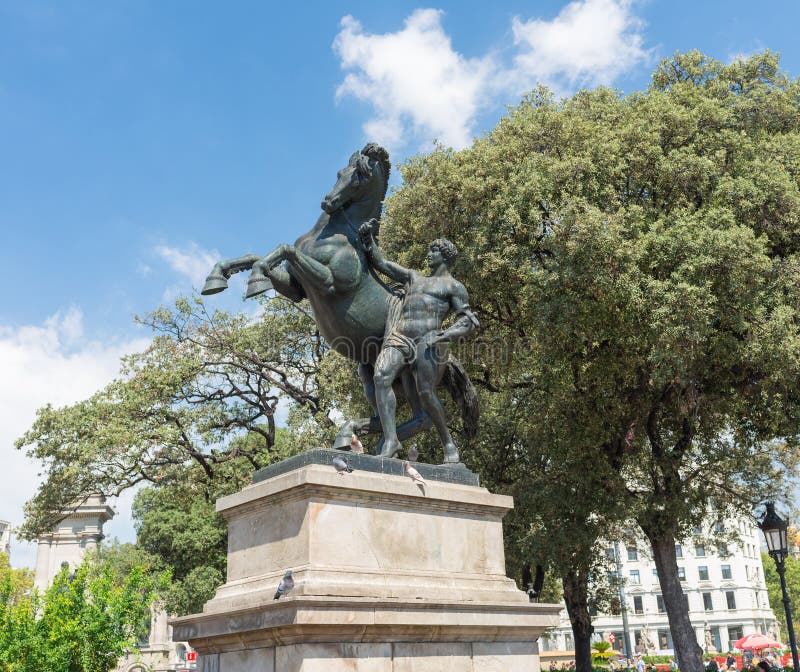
point(390, 576)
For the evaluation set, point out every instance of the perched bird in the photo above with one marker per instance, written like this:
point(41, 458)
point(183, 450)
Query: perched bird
point(341, 465)
point(413, 453)
point(356, 446)
point(286, 584)
point(413, 474)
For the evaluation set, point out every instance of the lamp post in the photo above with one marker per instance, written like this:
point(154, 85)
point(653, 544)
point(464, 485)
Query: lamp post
point(774, 529)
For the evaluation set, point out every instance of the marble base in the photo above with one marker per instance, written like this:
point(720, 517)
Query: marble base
point(389, 576)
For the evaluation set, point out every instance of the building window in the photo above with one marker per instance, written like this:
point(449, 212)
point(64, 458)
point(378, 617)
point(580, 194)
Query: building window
point(682, 573)
point(700, 551)
point(610, 553)
point(734, 633)
point(664, 639)
point(730, 596)
point(697, 530)
point(678, 551)
point(635, 576)
point(708, 605)
point(638, 608)
point(568, 643)
point(723, 551)
point(655, 573)
point(716, 637)
point(632, 553)
point(660, 603)
point(702, 572)
point(726, 572)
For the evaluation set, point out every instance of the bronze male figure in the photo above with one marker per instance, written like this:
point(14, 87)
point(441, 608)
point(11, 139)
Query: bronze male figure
point(414, 337)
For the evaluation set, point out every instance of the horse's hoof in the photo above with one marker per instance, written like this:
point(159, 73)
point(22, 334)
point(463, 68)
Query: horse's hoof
point(451, 455)
point(257, 285)
point(215, 283)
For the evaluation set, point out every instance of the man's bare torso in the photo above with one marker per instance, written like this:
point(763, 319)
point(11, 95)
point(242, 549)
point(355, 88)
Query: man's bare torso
point(427, 302)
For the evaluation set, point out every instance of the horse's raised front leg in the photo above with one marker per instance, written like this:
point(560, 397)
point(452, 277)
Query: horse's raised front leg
point(217, 280)
point(309, 270)
point(263, 270)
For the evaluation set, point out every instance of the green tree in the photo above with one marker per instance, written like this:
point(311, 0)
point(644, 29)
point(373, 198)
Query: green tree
point(85, 622)
point(775, 594)
point(181, 409)
point(635, 263)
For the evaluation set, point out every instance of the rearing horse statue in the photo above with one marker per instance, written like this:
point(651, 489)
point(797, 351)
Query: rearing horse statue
point(351, 304)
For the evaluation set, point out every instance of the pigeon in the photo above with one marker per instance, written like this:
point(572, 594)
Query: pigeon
point(413, 474)
point(356, 446)
point(286, 584)
point(341, 465)
point(413, 453)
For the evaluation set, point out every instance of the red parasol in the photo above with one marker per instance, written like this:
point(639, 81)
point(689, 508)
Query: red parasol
point(756, 641)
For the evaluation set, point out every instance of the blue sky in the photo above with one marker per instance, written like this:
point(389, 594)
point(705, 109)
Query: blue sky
point(140, 140)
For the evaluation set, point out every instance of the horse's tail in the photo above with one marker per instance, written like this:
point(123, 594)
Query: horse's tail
point(460, 387)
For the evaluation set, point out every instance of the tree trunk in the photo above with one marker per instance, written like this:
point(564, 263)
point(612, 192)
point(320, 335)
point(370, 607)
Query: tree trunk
point(576, 597)
point(688, 653)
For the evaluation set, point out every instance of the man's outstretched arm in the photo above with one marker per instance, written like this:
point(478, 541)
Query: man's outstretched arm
point(376, 258)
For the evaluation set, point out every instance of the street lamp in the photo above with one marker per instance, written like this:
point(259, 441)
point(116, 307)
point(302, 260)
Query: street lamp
point(774, 529)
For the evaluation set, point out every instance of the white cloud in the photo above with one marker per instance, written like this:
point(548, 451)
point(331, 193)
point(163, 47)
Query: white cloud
point(589, 42)
point(420, 88)
point(56, 362)
point(413, 77)
point(192, 262)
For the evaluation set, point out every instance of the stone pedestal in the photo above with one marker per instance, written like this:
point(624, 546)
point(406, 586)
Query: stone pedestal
point(390, 576)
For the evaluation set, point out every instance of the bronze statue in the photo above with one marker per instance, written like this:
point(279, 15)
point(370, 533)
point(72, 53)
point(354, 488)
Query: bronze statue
point(352, 304)
point(414, 334)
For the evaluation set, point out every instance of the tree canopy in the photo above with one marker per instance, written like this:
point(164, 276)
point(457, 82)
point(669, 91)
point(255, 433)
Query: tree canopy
point(199, 403)
point(634, 261)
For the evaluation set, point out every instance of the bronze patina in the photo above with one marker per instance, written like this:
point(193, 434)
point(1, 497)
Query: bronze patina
point(334, 266)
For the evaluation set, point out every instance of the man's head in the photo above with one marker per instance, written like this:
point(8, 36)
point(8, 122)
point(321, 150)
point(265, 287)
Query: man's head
point(441, 251)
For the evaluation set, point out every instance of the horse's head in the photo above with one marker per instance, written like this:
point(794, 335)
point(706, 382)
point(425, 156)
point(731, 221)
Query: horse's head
point(365, 177)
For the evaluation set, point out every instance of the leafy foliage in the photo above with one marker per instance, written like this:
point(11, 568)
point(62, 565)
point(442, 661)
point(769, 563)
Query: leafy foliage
point(775, 594)
point(635, 264)
point(207, 379)
point(85, 621)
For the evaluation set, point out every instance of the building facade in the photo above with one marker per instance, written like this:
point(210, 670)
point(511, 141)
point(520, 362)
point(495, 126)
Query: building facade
point(5, 537)
point(80, 531)
point(723, 585)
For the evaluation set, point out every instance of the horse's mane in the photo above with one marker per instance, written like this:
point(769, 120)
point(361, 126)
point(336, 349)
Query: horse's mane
point(375, 152)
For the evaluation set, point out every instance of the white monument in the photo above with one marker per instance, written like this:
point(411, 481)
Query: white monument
point(390, 576)
point(5, 537)
point(78, 532)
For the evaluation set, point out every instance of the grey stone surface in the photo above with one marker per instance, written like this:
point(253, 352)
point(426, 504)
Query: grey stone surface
point(389, 577)
point(445, 473)
point(249, 660)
